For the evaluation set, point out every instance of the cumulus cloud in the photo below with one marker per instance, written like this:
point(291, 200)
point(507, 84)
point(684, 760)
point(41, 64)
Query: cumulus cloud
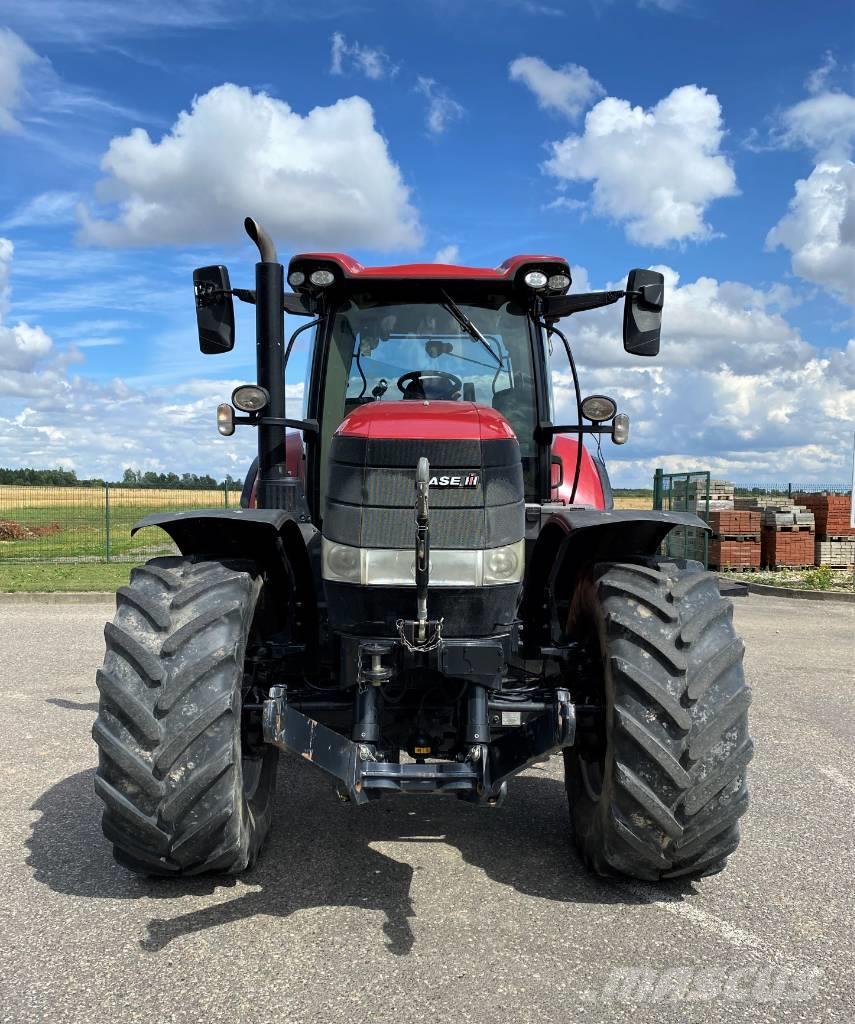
point(370, 61)
point(657, 170)
point(818, 228)
point(15, 56)
point(315, 180)
point(567, 90)
point(736, 388)
point(442, 110)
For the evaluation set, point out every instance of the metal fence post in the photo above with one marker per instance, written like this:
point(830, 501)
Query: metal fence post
point(657, 489)
point(225, 494)
point(107, 522)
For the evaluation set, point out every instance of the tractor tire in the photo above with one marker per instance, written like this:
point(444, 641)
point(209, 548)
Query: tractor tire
point(185, 789)
point(657, 780)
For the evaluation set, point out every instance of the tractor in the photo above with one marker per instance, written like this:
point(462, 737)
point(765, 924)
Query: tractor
point(426, 588)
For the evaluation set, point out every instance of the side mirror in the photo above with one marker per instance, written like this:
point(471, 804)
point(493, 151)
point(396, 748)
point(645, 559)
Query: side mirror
point(215, 313)
point(642, 312)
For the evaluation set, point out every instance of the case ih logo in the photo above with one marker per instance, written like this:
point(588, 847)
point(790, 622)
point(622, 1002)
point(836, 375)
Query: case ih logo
point(464, 480)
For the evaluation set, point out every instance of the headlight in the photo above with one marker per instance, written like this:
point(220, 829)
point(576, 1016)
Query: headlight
point(620, 428)
point(598, 408)
point(250, 398)
point(225, 419)
point(296, 278)
point(558, 283)
point(341, 562)
point(322, 278)
point(535, 279)
point(503, 565)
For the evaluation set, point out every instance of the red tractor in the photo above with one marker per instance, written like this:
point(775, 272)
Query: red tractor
point(426, 590)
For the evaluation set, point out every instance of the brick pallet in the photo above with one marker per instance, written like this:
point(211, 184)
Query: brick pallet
point(838, 553)
point(733, 521)
point(791, 548)
point(735, 554)
point(832, 513)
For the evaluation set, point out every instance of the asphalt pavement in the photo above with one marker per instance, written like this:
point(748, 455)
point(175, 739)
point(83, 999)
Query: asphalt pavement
point(423, 909)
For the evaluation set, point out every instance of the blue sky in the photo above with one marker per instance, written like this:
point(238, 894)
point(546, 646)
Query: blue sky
point(711, 140)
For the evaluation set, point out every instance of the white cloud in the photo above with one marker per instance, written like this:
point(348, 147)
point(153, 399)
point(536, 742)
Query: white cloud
point(45, 209)
point(656, 171)
point(21, 346)
point(315, 180)
point(442, 110)
point(370, 61)
point(736, 388)
point(447, 254)
point(823, 123)
point(817, 79)
point(818, 228)
point(568, 90)
point(15, 56)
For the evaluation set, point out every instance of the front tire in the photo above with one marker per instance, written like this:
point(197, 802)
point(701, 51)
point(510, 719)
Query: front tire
point(184, 792)
point(657, 782)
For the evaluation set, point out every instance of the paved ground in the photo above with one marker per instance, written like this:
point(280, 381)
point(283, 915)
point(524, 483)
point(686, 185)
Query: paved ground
point(423, 910)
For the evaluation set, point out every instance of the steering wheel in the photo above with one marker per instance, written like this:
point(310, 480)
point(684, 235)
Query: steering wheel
point(411, 385)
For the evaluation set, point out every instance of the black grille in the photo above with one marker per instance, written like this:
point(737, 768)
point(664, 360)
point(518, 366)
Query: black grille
point(371, 492)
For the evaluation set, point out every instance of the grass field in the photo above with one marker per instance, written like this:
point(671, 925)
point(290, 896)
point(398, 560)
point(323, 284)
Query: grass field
point(56, 524)
point(72, 576)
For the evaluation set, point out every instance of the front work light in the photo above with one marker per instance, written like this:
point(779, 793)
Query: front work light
point(250, 398)
point(596, 408)
point(225, 419)
point(296, 278)
point(558, 283)
point(620, 428)
point(535, 279)
point(322, 278)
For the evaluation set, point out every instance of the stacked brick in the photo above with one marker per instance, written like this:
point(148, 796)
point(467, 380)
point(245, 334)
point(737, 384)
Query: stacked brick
point(835, 538)
point(692, 495)
point(735, 540)
point(788, 537)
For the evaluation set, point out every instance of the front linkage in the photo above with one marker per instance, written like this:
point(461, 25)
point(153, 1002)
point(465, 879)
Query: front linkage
point(481, 776)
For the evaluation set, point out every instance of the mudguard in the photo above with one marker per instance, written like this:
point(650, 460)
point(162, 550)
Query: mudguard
point(569, 539)
point(273, 538)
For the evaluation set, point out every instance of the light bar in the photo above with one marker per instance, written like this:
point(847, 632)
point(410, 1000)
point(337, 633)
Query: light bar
point(396, 567)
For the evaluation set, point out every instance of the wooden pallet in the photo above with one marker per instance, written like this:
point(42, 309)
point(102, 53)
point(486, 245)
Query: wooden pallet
point(735, 568)
point(736, 536)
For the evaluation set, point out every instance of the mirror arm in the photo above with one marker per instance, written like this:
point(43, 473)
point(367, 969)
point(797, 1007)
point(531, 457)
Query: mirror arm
point(547, 431)
point(566, 305)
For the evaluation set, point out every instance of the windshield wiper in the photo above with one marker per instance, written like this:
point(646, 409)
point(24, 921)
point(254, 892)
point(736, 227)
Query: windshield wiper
point(467, 324)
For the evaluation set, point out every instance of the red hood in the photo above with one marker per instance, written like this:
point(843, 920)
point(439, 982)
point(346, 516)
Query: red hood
point(434, 421)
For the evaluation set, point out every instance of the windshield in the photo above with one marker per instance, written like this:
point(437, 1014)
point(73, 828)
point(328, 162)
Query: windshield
point(392, 352)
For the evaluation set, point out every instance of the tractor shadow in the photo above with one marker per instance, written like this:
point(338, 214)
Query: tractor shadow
point(322, 854)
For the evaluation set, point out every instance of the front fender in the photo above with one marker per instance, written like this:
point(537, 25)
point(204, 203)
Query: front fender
point(571, 539)
point(274, 539)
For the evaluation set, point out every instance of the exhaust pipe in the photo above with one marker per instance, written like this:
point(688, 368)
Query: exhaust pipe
point(266, 248)
point(270, 368)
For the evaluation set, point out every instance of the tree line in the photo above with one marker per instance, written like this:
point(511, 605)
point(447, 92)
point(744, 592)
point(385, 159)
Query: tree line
point(131, 477)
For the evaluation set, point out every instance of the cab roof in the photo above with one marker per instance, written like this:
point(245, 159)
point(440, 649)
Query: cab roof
point(347, 269)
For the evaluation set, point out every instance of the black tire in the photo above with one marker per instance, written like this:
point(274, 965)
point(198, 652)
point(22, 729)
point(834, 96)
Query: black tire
point(183, 791)
point(657, 783)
